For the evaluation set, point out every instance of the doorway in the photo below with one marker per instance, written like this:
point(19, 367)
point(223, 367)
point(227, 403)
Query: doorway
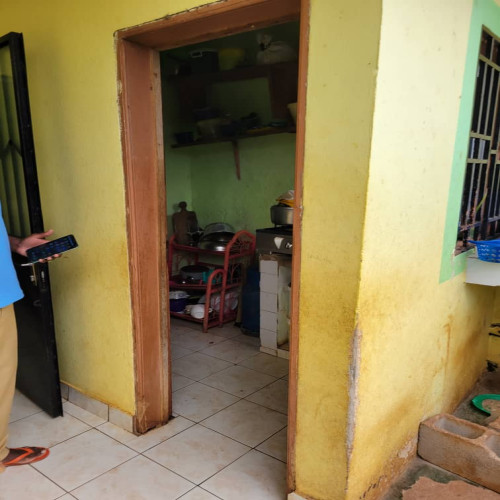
point(142, 139)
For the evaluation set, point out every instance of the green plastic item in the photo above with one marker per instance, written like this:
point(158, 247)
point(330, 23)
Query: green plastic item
point(478, 401)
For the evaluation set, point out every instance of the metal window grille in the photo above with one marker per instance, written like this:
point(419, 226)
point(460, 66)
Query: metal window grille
point(480, 209)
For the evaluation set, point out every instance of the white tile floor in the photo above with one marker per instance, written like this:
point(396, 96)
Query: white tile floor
point(227, 440)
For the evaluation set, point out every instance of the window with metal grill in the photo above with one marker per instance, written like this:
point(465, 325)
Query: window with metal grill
point(480, 209)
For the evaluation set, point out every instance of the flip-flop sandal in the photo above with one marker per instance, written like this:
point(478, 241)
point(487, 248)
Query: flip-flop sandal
point(27, 455)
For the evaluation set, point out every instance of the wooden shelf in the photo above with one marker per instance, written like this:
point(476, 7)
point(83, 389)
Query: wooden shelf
point(242, 73)
point(274, 131)
point(281, 78)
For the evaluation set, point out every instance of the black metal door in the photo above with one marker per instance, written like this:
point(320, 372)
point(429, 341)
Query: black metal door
point(38, 373)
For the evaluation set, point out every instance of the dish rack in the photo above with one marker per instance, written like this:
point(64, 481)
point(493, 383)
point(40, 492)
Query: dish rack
point(228, 271)
point(488, 250)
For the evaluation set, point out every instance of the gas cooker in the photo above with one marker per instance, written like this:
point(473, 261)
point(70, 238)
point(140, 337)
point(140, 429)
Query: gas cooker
point(276, 239)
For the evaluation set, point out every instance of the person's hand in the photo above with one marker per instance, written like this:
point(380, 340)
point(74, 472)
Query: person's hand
point(34, 240)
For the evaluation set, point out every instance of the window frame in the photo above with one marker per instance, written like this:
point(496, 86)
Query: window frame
point(480, 205)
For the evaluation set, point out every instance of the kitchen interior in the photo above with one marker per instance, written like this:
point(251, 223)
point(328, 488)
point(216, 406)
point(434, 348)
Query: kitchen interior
point(229, 109)
point(229, 113)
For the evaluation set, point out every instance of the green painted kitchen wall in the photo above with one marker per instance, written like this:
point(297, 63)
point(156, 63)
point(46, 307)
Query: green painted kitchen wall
point(205, 175)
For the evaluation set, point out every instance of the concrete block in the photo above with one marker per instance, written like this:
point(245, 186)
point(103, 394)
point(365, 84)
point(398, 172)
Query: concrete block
point(462, 447)
point(269, 283)
point(269, 302)
point(495, 424)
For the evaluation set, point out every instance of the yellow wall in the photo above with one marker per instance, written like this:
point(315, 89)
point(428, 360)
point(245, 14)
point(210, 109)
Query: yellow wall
point(72, 75)
point(344, 39)
point(423, 344)
point(494, 340)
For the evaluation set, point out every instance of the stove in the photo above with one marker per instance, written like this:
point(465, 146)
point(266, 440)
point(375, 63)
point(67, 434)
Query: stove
point(276, 239)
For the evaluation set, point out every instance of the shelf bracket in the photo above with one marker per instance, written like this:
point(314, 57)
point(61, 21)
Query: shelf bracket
point(236, 153)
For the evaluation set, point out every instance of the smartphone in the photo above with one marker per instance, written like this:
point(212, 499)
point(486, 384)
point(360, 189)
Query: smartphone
point(50, 248)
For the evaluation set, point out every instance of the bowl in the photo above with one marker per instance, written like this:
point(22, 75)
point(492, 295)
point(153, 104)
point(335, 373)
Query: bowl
point(198, 311)
point(209, 129)
point(230, 58)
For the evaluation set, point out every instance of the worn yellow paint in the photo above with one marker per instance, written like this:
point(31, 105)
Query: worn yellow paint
point(72, 76)
point(344, 38)
point(423, 344)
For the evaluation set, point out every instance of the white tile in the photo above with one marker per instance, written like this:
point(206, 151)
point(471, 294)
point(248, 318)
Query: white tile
point(197, 401)
point(268, 266)
point(42, 430)
point(248, 339)
point(268, 321)
point(268, 302)
point(81, 414)
point(227, 331)
point(25, 482)
point(276, 445)
point(197, 366)
point(64, 391)
point(268, 350)
point(176, 351)
point(231, 351)
point(238, 380)
point(82, 458)
point(22, 407)
point(121, 419)
point(268, 339)
point(178, 382)
point(87, 403)
point(66, 497)
point(151, 438)
point(195, 341)
point(265, 363)
point(197, 453)
point(269, 283)
point(254, 475)
point(273, 396)
point(283, 354)
point(247, 422)
point(137, 478)
point(198, 494)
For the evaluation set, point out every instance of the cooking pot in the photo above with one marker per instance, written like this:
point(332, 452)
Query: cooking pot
point(217, 242)
point(218, 227)
point(193, 273)
point(281, 215)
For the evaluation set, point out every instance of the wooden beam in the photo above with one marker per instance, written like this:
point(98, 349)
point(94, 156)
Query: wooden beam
point(211, 21)
point(142, 143)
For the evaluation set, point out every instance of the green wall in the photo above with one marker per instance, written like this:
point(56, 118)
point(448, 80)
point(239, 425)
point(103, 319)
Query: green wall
point(267, 170)
point(205, 175)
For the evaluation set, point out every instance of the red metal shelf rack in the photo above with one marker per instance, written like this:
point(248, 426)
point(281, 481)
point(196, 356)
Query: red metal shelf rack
point(226, 276)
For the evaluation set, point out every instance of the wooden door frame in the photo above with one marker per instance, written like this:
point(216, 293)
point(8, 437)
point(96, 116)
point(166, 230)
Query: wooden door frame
point(142, 146)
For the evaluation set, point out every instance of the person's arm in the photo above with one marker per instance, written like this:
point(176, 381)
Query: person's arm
point(20, 245)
